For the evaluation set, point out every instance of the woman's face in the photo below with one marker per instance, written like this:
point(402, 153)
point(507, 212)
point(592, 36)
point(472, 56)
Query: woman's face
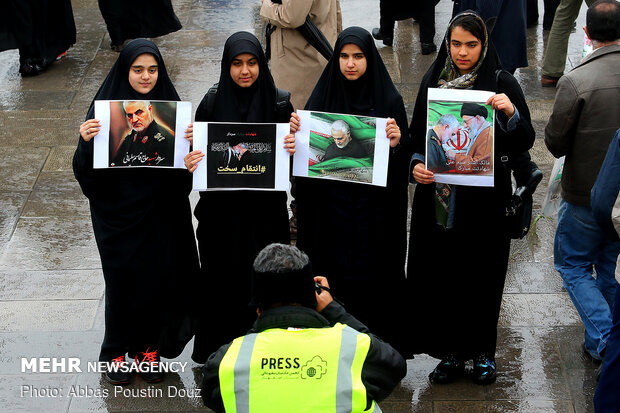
point(465, 49)
point(352, 61)
point(244, 69)
point(143, 73)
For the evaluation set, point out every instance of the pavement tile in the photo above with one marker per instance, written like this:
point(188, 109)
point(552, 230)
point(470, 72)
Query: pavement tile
point(60, 159)
point(51, 285)
point(11, 204)
point(60, 315)
point(57, 194)
point(533, 277)
point(546, 310)
point(21, 167)
point(505, 406)
point(35, 392)
point(51, 243)
point(83, 345)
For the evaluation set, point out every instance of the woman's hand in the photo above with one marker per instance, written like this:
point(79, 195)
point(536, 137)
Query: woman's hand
point(289, 143)
point(189, 134)
point(393, 132)
point(423, 175)
point(191, 160)
point(294, 122)
point(503, 103)
point(89, 129)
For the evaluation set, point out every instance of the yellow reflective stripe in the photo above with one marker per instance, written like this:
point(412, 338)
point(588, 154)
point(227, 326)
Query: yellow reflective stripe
point(242, 374)
point(227, 375)
point(359, 399)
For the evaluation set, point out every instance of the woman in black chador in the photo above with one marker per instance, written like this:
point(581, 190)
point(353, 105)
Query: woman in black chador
point(355, 234)
point(143, 227)
point(233, 226)
point(458, 259)
point(42, 30)
point(126, 21)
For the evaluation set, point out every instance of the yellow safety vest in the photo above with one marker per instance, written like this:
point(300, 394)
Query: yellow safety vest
point(314, 370)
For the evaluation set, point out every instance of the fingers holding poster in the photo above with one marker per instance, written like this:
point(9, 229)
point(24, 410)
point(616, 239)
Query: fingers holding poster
point(343, 147)
point(241, 156)
point(460, 137)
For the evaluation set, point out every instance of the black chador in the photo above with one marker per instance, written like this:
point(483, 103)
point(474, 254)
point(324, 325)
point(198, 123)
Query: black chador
point(143, 227)
point(154, 146)
point(233, 226)
point(355, 234)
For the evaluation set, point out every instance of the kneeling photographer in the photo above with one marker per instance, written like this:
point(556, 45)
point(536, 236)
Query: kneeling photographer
point(304, 352)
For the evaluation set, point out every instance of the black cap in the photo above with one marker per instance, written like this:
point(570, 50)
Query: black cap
point(296, 286)
point(473, 109)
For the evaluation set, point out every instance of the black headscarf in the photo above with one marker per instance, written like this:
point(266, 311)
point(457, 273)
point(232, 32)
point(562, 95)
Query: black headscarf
point(373, 93)
point(116, 85)
point(234, 103)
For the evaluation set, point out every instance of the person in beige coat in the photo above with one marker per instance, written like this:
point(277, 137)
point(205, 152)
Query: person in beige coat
point(295, 65)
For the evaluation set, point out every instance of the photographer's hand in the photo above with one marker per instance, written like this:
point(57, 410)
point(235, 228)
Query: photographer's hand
point(324, 297)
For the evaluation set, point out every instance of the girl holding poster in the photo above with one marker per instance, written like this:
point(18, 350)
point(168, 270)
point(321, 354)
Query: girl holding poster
point(234, 225)
point(143, 226)
point(355, 234)
point(459, 241)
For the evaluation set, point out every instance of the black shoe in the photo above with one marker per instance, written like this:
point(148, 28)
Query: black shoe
point(114, 374)
point(149, 366)
point(448, 370)
point(590, 356)
point(377, 34)
point(30, 69)
point(484, 371)
point(428, 48)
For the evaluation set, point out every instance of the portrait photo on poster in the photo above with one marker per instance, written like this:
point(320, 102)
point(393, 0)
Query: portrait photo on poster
point(241, 156)
point(141, 133)
point(343, 147)
point(460, 138)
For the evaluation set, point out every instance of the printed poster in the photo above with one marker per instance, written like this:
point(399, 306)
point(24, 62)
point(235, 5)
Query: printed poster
point(241, 156)
point(342, 147)
point(141, 133)
point(460, 137)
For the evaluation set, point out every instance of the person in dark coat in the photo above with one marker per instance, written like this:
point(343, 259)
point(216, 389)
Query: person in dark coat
point(421, 11)
point(456, 303)
point(356, 234)
point(152, 19)
point(233, 226)
point(509, 32)
point(549, 13)
point(143, 227)
point(42, 30)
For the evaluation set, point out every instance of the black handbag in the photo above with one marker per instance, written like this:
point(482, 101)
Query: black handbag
point(519, 207)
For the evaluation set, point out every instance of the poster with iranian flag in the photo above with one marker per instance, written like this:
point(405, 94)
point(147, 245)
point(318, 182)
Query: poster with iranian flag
point(343, 147)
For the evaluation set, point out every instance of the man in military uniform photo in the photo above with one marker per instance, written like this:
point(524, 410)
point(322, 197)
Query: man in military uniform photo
point(148, 143)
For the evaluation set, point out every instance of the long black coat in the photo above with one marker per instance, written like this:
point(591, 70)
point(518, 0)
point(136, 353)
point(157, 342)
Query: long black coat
point(355, 234)
point(456, 277)
point(143, 227)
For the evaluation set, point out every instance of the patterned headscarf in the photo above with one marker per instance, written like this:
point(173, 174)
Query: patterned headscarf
point(450, 78)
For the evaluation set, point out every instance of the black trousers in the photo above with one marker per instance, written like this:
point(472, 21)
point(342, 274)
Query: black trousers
point(423, 12)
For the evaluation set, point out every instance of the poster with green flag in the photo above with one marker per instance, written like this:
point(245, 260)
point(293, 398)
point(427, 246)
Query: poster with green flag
point(342, 147)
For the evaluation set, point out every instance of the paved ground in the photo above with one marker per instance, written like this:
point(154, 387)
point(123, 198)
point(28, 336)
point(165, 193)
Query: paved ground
point(51, 286)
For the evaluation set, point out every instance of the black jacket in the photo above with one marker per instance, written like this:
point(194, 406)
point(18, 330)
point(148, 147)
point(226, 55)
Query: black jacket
point(383, 368)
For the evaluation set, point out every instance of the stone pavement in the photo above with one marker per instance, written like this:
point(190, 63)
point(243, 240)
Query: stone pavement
point(51, 285)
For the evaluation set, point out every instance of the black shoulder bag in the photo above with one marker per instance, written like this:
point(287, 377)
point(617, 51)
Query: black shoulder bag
point(527, 176)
